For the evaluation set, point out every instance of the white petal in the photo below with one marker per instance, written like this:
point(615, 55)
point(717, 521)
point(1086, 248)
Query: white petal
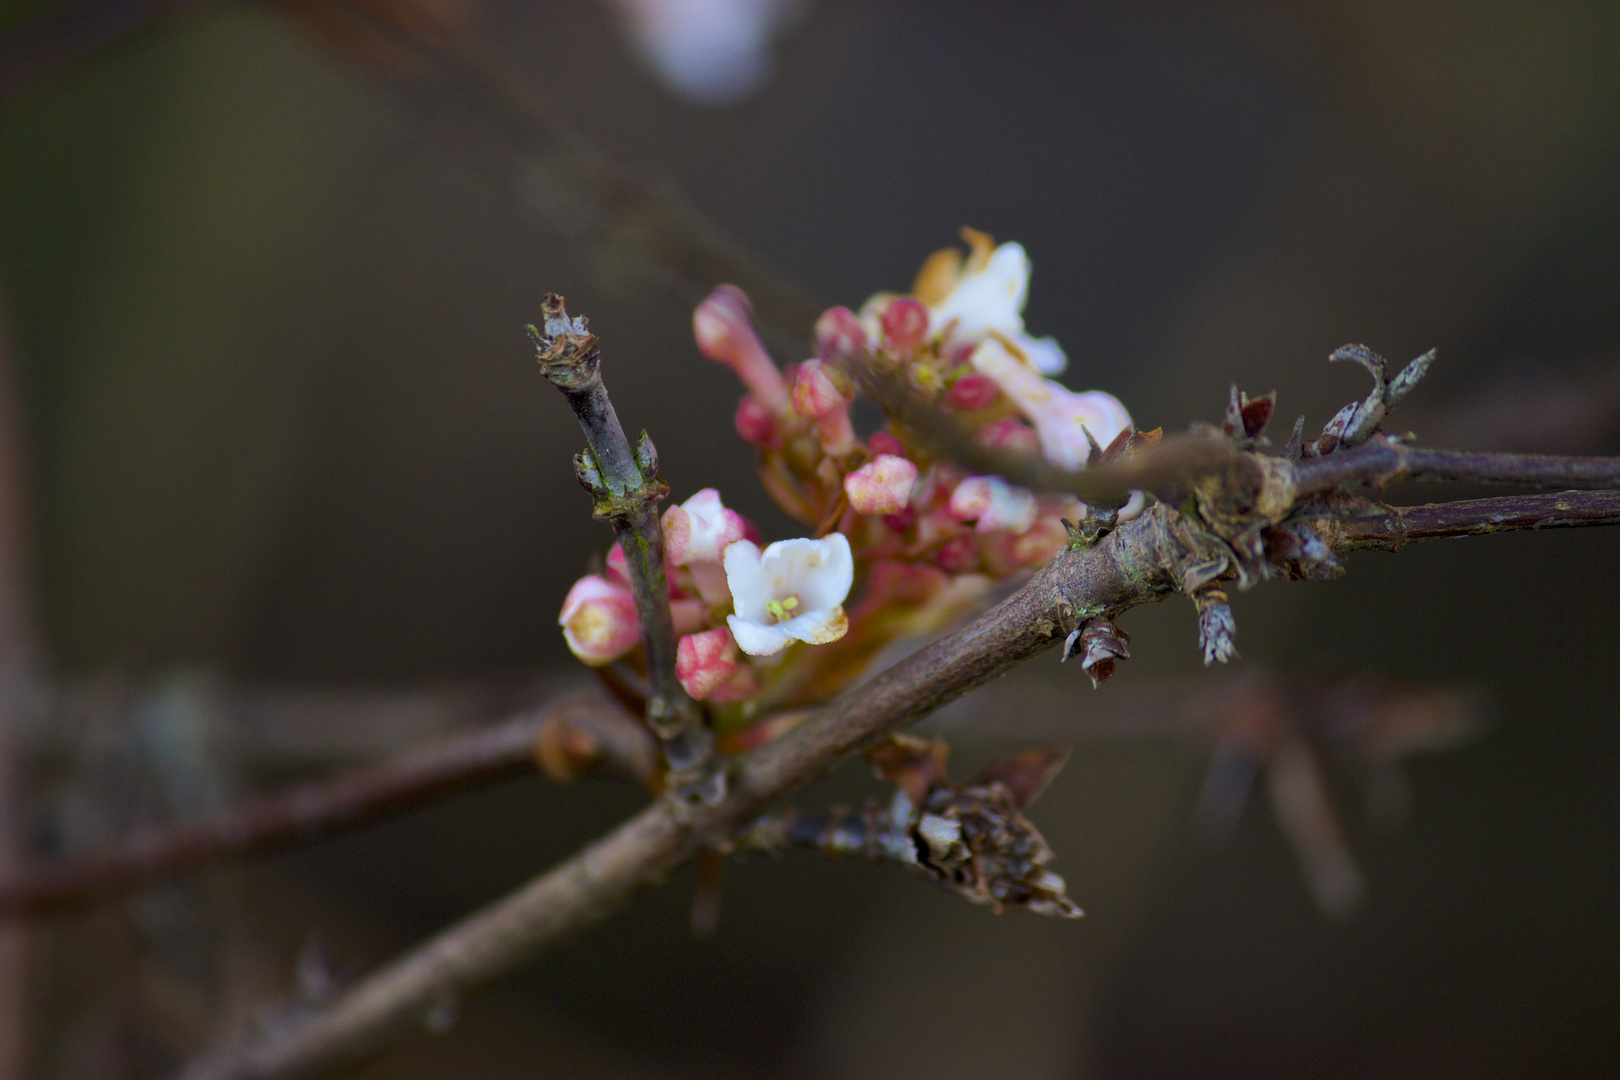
point(748, 592)
point(816, 627)
point(818, 572)
point(1045, 353)
point(991, 299)
point(757, 639)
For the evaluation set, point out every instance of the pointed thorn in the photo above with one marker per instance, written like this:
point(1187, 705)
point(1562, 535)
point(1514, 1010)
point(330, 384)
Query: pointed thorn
point(646, 456)
point(1295, 441)
point(1232, 425)
point(1095, 455)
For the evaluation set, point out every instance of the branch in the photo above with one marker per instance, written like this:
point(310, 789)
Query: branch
point(1137, 562)
point(1380, 462)
point(21, 653)
point(627, 491)
point(1390, 528)
point(574, 736)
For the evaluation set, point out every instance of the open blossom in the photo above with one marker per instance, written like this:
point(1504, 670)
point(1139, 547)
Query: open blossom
point(792, 591)
point(882, 485)
point(708, 666)
point(725, 333)
point(695, 536)
point(599, 620)
point(1057, 412)
point(985, 298)
point(994, 503)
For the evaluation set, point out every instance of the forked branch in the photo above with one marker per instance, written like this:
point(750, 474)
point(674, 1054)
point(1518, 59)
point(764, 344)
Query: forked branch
point(1139, 561)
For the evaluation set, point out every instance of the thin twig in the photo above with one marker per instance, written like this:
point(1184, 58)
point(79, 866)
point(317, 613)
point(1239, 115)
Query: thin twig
point(1381, 462)
point(569, 737)
point(582, 734)
point(1390, 528)
point(21, 660)
point(1135, 563)
point(627, 490)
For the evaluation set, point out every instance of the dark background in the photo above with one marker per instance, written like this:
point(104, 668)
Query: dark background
point(284, 428)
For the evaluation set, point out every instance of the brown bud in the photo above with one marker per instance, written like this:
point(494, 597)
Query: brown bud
point(1100, 643)
point(1257, 413)
point(1217, 629)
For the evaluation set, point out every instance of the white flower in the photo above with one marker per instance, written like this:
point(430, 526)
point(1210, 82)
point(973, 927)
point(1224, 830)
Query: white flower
point(988, 301)
point(1057, 412)
point(793, 591)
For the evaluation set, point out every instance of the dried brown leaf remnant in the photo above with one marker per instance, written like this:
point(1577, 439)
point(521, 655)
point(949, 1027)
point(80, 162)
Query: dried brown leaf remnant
point(973, 840)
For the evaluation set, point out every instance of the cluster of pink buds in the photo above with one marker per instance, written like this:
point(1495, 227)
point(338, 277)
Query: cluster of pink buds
point(917, 539)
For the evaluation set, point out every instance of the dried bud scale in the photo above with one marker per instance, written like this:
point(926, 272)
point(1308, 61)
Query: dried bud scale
point(973, 840)
point(1217, 629)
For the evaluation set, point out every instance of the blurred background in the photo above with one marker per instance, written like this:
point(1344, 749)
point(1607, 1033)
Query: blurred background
point(264, 272)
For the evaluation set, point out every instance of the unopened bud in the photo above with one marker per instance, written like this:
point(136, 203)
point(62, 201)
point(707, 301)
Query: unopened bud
point(881, 486)
point(725, 334)
point(905, 324)
point(599, 620)
point(1009, 435)
point(840, 336)
point(958, 556)
point(709, 667)
point(755, 423)
point(818, 395)
point(883, 443)
point(972, 392)
point(994, 503)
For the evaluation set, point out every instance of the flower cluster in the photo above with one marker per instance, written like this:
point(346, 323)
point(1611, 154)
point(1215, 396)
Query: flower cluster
point(919, 539)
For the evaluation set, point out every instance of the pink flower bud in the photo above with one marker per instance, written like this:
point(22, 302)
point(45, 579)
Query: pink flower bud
point(695, 537)
point(972, 391)
point(905, 324)
point(902, 521)
point(755, 423)
point(883, 443)
point(839, 335)
point(618, 571)
point(971, 499)
point(704, 661)
point(958, 556)
point(817, 395)
point(599, 620)
point(725, 334)
point(1010, 434)
point(995, 503)
point(881, 486)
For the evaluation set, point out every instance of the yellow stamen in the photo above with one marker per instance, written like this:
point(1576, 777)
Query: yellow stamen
point(780, 608)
